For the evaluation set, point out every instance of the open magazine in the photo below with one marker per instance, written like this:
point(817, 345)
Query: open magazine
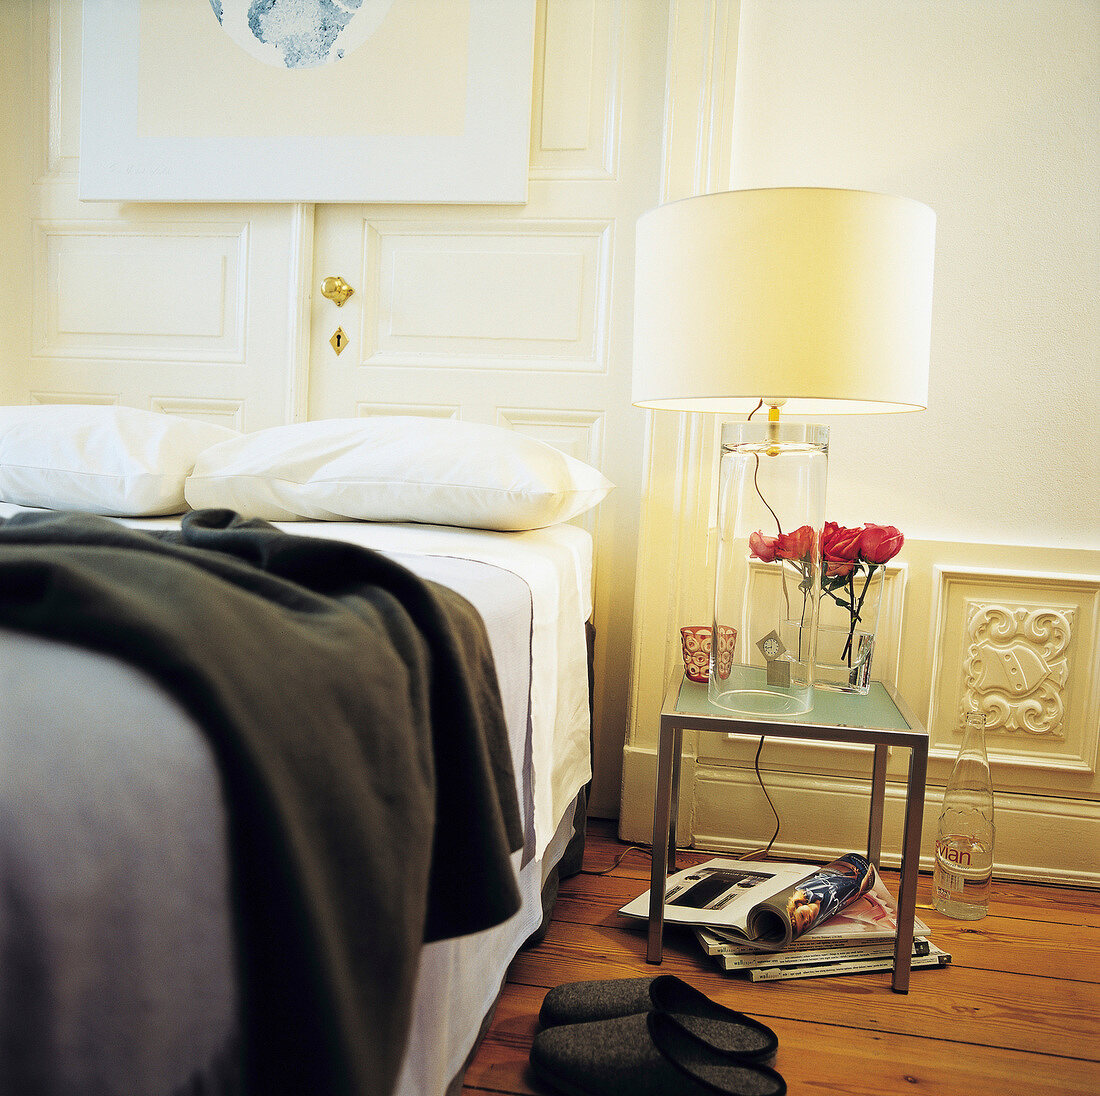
point(763, 905)
point(868, 923)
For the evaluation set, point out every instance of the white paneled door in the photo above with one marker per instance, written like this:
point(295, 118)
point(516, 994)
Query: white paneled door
point(515, 315)
point(521, 316)
point(482, 315)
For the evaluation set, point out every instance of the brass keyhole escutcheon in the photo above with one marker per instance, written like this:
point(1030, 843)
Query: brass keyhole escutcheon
point(339, 341)
point(336, 289)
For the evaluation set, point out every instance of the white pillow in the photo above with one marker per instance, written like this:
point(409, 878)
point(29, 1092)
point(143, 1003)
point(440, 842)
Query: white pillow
point(396, 468)
point(104, 459)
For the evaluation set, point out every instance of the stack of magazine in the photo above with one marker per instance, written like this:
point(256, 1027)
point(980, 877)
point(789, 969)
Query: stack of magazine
point(771, 921)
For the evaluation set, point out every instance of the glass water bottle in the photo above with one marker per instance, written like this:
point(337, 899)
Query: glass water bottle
point(964, 839)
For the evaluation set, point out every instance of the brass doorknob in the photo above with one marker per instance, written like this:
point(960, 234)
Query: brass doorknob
point(336, 289)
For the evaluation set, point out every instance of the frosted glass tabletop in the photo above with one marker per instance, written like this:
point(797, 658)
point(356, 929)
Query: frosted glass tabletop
point(876, 709)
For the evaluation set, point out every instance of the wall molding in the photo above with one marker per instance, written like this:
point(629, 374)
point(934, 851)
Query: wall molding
point(681, 450)
point(577, 432)
point(222, 412)
point(1050, 839)
point(57, 44)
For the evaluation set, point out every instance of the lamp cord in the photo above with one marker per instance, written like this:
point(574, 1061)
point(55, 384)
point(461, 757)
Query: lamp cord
point(756, 762)
point(748, 856)
point(760, 780)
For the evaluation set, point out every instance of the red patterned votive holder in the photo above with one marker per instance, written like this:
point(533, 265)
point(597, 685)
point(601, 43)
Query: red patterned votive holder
point(696, 643)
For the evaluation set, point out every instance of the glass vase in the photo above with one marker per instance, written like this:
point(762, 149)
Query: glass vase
point(847, 625)
point(771, 510)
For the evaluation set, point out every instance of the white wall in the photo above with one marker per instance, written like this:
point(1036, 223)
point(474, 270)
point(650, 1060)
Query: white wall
point(987, 111)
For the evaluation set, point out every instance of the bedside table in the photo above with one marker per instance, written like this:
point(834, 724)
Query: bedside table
point(879, 718)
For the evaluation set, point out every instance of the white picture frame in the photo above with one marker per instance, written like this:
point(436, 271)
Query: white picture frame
point(435, 107)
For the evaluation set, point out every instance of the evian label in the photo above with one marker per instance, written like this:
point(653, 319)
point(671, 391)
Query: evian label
point(950, 852)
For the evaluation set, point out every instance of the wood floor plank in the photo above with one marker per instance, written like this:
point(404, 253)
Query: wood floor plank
point(1043, 1014)
point(1016, 1011)
point(817, 1056)
point(995, 943)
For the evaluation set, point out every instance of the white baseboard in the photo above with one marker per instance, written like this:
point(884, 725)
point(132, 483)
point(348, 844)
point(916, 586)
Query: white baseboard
point(1047, 839)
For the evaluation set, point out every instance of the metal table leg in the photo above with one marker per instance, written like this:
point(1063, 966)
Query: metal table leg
point(910, 862)
point(674, 810)
point(878, 799)
point(667, 745)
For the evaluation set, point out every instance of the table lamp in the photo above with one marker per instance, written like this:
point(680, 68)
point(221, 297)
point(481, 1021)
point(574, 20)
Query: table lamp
point(803, 301)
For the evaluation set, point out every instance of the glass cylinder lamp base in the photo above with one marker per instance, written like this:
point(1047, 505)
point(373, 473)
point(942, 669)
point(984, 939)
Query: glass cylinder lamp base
point(757, 702)
point(771, 510)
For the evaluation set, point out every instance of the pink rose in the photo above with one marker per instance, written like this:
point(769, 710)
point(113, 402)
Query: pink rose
point(762, 547)
point(880, 543)
point(797, 545)
point(840, 549)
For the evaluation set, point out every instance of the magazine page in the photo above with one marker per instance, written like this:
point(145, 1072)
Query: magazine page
point(768, 905)
point(754, 959)
point(721, 892)
point(933, 957)
point(785, 917)
point(871, 918)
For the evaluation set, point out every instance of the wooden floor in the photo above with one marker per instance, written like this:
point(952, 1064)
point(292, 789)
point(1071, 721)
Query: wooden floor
point(1017, 1011)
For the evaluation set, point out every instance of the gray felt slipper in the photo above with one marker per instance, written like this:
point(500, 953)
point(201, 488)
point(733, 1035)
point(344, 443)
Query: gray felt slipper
point(720, 1027)
point(643, 1055)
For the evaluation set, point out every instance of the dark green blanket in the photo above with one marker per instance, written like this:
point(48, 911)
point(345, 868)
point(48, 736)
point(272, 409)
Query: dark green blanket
point(354, 714)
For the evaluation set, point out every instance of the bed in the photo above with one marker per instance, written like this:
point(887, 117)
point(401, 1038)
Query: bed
point(129, 960)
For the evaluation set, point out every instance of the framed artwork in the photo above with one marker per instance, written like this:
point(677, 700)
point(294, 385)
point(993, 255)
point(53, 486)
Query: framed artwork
point(306, 100)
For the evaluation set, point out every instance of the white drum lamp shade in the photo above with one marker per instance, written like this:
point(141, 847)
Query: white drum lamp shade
point(817, 297)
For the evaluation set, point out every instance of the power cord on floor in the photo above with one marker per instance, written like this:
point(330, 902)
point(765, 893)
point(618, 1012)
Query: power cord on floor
point(618, 860)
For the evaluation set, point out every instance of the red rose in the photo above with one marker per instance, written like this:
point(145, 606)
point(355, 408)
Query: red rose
point(840, 548)
point(762, 547)
point(880, 543)
point(797, 545)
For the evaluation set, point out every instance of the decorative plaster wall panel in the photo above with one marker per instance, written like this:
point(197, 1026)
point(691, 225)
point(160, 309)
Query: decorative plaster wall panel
point(577, 90)
point(501, 294)
point(1017, 666)
point(1023, 648)
point(163, 292)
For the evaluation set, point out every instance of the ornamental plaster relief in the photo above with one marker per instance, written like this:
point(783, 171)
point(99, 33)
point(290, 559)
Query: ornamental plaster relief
point(1024, 647)
point(1017, 666)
